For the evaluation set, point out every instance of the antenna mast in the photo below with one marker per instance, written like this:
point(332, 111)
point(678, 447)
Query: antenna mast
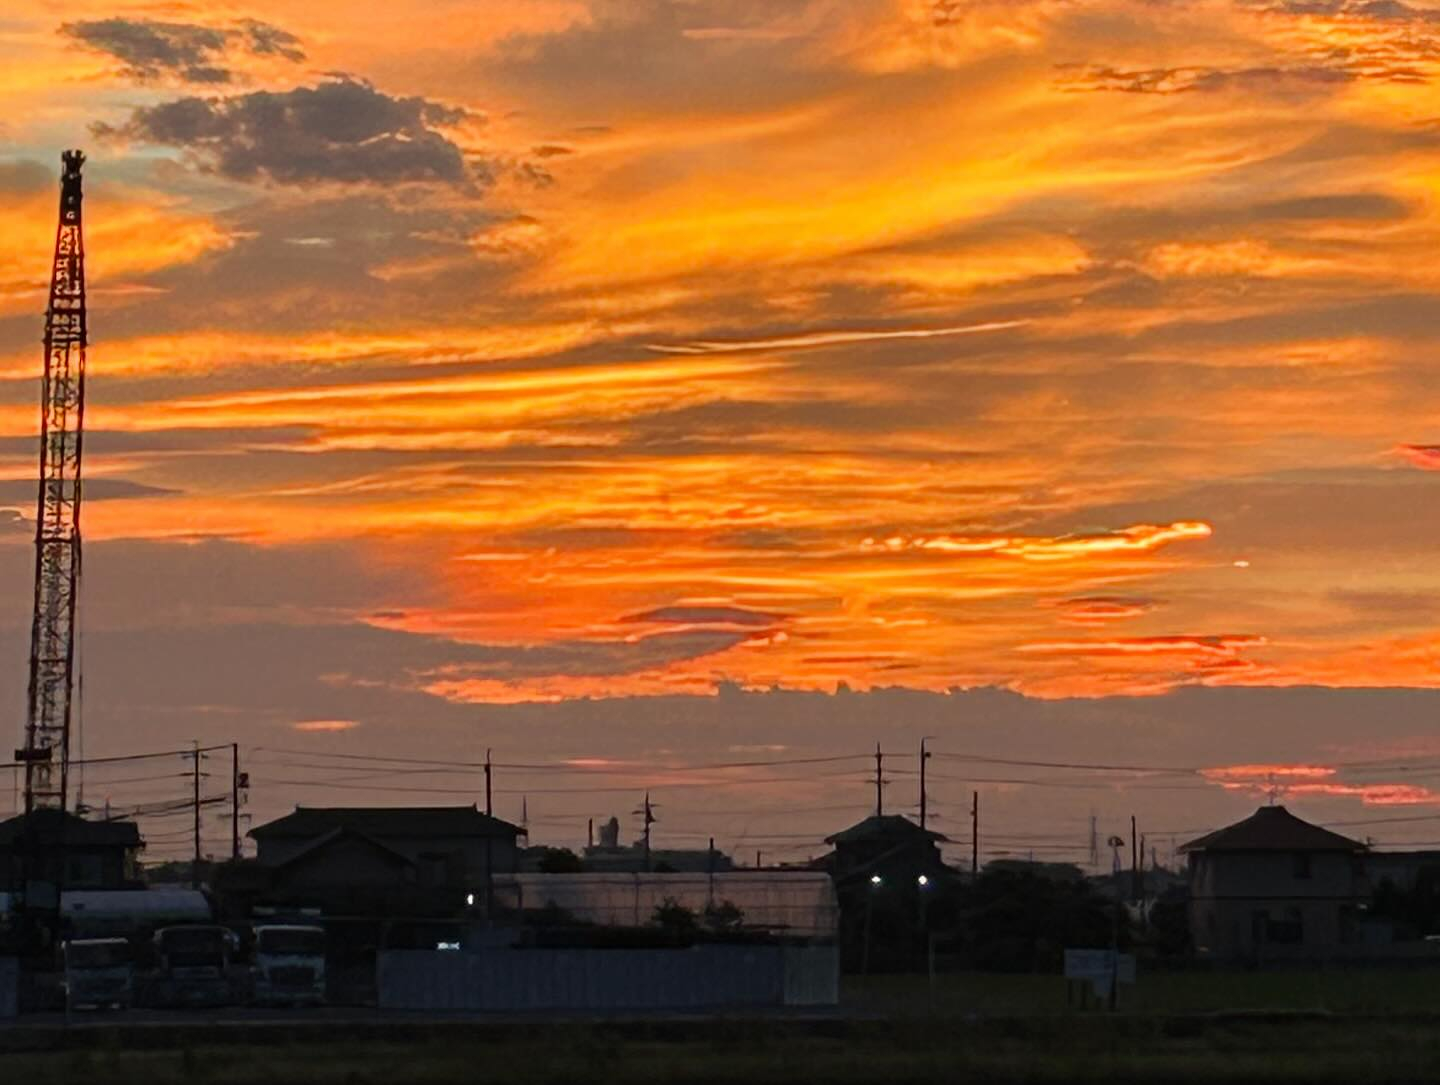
point(57, 527)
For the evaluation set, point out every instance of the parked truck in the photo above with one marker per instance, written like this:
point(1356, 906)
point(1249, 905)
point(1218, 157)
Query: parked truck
point(289, 965)
point(193, 966)
point(99, 973)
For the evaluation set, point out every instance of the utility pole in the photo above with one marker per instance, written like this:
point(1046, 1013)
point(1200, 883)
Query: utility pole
point(1135, 893)
point(975, 832)
point(879, 781)
point(1116, 843)
point(649, 821)
point(1094, 843)
point(489, 847)
point(924, 756)
point(590, 833)
point(710, 871)
point(489, 806)
point(234, 800)
point(757, 858)
point(195, 803)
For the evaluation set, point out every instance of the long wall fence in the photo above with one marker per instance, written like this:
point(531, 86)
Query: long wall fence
point(696, 978)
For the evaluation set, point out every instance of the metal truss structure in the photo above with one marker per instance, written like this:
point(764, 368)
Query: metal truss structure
point(57, 530)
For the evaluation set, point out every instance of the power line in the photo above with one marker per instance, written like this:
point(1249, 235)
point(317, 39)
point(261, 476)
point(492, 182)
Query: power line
point(1188, 770)
point(605, 789)
point(124, 757)
point(562, 766)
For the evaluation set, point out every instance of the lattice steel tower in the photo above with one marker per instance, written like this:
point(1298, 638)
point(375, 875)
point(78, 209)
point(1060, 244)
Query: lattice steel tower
point(57, 530)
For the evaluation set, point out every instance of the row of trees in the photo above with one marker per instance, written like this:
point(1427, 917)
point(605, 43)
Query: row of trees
point(1003, 920)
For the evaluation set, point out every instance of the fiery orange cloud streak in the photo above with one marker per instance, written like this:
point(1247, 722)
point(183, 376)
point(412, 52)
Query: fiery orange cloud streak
point(1137, 538)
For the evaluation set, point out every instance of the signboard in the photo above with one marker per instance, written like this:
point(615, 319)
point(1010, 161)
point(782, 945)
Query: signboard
point(1101, 967)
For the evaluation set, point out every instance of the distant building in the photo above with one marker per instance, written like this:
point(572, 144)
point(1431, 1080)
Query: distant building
point(887, 845)
point(1274, 887)
point(69, 852)
point(612, 857)
point(377, 860)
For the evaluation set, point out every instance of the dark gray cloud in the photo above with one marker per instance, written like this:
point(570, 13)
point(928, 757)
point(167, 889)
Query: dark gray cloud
point(24, 175)
point(701, 55)
point(1400, 46)
point(23, 490)
point(150, 50)
point(705, 616)
point(266, 39)
point(1199, 78)
point(341, 130)
point(1386, 11)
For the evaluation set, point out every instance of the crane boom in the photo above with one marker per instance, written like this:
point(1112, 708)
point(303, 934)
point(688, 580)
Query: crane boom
point(57, 527)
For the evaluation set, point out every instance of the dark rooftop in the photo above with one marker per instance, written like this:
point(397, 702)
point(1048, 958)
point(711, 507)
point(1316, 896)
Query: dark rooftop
point(1273, 828)
point(63, 827)
point(382, 821)
point(891, 827)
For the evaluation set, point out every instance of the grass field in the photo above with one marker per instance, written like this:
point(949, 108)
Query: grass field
point(1113, 1050)
point(1342, 990)
point(1312, 1026)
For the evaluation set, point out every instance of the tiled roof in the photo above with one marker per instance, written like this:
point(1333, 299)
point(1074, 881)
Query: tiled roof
point(1273, 828)
point(883, 827)
point(383, 821)
point(62, 827)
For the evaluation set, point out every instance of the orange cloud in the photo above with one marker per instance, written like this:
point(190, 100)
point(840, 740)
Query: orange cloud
point(1099, 610)
point(1137, 538)
point(1265, 772)
point(128, 234)
point(1224, 645)
point(1426, 457)
point(829, 339)
point(326, 726)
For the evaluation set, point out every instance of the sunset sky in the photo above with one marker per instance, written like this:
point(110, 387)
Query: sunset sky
point(526, 374)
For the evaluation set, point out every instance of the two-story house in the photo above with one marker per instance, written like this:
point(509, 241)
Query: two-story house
point(1274, 887)
point(381, 860)
point(54, 850)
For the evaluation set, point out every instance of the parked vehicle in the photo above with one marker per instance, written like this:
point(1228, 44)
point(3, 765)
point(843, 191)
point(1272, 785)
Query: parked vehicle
point(99, 973)
point(289, 965)
point(193, 966)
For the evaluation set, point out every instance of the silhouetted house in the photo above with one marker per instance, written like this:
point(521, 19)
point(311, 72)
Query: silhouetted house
point(1274, 887)
point(887, 845)
point(377, 860)
point(69, 852)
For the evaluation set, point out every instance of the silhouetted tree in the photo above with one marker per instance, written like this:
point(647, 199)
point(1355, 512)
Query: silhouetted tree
point(674, 918)
point(1016, 921)
point(1169, 933)
point(725, 917)
point(559, 861)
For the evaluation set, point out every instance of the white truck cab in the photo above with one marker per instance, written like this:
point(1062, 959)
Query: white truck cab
point(99, 973)
point(289, 966)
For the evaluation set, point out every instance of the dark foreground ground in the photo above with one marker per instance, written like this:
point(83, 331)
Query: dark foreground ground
point(1322, 1027)
point(756, 1052)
